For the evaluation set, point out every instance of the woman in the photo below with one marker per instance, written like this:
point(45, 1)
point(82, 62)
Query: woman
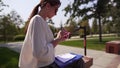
point(39, 43)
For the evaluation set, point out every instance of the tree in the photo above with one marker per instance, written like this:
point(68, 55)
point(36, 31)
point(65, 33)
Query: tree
point(101, 12)
point(7, 28)
point(71, 27)
point(50, 21)
point(116, 15)
point(53, 29)
point(95, 27)
point(10, 25)
point(84, 23)
point(51, 25)
point(113, 16)
point(97, 10)
point(2, 5)
point(108, 28)
point(15, 18)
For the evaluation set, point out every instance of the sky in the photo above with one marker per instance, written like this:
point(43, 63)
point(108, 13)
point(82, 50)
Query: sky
point(24, 8)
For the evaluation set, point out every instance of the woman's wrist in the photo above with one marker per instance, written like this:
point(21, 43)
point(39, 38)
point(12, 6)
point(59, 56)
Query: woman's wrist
point(56, 41)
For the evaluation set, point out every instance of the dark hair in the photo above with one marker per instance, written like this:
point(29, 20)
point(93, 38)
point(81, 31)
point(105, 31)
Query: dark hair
point(36, 8)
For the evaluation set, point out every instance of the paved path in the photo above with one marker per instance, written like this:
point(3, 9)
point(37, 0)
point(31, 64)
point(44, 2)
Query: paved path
point(101, 59)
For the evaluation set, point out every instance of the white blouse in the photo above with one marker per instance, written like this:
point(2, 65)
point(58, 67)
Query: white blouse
point(37, 50)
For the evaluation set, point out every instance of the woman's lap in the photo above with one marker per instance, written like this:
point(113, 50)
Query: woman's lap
point(76, 64)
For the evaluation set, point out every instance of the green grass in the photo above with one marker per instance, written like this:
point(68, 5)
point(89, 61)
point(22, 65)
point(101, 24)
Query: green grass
point(8, 58)
point(91, 43)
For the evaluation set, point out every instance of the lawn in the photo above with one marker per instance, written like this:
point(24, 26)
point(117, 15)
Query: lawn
point(8, 58)
point(91, 43)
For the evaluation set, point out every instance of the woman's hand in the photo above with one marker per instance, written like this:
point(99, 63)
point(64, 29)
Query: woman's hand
point(61, 36)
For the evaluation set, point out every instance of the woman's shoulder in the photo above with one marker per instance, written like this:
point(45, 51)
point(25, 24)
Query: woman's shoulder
point(37, 17)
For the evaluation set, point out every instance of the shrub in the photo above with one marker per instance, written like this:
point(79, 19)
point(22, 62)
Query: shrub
point(19, 37)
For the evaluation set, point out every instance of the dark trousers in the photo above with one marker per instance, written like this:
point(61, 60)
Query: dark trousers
point(53, 65)
point(76, 64)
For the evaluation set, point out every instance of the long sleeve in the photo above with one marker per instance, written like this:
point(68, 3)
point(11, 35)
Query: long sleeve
point(37, 50)
point(42, 48)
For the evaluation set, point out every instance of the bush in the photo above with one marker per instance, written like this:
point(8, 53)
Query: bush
point(1, 38)
point(8, 38)
point(19, 37)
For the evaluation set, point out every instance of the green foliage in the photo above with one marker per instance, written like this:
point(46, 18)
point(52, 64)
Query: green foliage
point(112, 25)
point(71, 27)
point(2, 5)
point(53, 29)
point(8, 58)
point(94, 27)
point(15, 18)
point(75, 9)
point(99, 9)
point(84, 23)
point(9, 26)
point(19, 37)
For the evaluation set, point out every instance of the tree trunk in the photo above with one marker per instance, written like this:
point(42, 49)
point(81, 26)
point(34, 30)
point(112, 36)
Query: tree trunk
point(5, 32)
point(100, 30)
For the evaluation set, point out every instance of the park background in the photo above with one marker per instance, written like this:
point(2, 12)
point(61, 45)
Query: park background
point(99, 17)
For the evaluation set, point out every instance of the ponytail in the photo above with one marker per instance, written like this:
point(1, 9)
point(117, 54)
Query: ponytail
point(36, 9)
point(34, 12)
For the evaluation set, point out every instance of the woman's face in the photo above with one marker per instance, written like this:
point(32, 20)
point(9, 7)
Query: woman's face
point(52, 11)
